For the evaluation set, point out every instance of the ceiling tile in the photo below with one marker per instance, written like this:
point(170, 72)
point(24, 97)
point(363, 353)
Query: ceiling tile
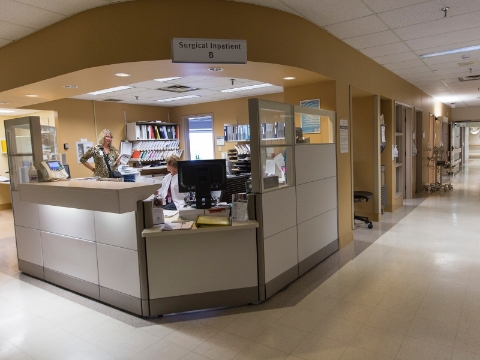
point(452, 58)
point(386, 5)
point(4, 42)
point(459, 71)
point(327, 12)
point(413, 70)
point(20, 14)
point(357, 27)
point(404, 64)
point(383, 50)
point(275, 4)
point(64, 7)
point(14, 32)
point(427, 11)
point(377, 39)
point(449, 39)
point(449, 65)
point(390, 59)
point(441, 26)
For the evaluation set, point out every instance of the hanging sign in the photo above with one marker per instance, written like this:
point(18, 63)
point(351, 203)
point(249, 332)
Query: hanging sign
point(206, 51)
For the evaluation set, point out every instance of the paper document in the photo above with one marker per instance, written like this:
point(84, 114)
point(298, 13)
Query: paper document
point(170, 213)
point(4, 179)
point(184, 225)
point(270, 167)
point(279, 160)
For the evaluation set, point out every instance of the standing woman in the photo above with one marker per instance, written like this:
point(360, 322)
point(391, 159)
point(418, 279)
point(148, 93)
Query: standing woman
point(105, 156)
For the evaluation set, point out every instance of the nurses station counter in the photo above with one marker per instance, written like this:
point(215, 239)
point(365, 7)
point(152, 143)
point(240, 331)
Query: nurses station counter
point(90, 237)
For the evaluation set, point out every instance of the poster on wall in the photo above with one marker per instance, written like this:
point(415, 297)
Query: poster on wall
point(82, 148)
point(311, 123)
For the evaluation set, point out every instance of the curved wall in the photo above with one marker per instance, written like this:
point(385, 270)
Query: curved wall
point(141, 31)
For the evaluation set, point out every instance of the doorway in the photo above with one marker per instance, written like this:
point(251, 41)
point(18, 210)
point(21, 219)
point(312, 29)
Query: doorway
point(404, 164)
point(199, 135)
point(418, 150)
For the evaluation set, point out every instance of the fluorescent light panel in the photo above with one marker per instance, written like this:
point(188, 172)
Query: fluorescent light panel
point(453, 51)
point(243, 88)
point(167, 79)
point(7, 111)
point(178, 98)
point(105, 91)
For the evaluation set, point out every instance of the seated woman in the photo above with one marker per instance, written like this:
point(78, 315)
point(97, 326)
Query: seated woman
point(172, 199)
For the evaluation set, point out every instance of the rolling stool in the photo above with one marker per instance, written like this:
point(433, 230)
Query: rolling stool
point(359, 196)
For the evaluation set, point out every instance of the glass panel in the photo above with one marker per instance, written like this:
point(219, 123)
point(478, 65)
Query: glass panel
point(313, 128)
point(398, 180)
point(399, 143)
point(19, 166)
point(276, 125)
point(49, 143)
point(276, 166)
point(22, 143)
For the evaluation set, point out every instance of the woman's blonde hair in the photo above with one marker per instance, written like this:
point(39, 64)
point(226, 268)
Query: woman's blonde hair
point(172, 160)
point(102, 135)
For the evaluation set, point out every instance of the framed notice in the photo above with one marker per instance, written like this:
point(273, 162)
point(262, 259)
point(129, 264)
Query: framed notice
point(82, 148)
point(311, 123)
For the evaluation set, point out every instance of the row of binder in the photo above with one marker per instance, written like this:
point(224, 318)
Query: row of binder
point(273, 131)
point(153, 155)
point(156, 145)
point(155, 132)
point(236, 132)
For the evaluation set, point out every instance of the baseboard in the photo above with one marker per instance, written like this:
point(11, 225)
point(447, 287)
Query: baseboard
point(282, 280)
point(31, 269)
point(121, 300)
point(71, 283)
point(233, 297)
point(317, 257)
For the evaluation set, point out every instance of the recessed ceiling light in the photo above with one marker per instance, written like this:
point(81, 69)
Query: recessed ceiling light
point(122, 74)
point(3, 103)
point(243, 88)
point(118, 88)
point(31, 95)
point(453, 51)
point(289, 78)
point(167, 79)
point(70, 86)
point(7, 111)
point(215, 69)
point(178, 98)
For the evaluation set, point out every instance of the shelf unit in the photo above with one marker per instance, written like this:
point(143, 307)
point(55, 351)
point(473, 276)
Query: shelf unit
point(153, 141)
point(236, 133)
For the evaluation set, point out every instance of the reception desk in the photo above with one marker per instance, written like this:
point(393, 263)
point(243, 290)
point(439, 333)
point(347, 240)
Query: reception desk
point(91, 237)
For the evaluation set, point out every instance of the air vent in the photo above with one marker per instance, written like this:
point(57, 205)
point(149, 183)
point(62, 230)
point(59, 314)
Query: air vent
point(112, 100)
point(469, 78)
point(468, 63)
point(178, 88)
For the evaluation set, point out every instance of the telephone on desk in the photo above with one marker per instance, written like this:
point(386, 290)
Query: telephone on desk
point(53, 171)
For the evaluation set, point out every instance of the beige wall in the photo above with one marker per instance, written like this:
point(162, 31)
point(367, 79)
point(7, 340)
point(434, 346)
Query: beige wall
point(125, 32)
point(76, 120)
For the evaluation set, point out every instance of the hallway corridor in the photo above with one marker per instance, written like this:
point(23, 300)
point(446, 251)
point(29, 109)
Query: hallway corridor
point(412, 294)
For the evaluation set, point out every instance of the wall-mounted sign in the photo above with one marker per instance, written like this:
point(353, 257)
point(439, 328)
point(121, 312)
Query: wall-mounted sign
point(206, 51)
point(343, 136)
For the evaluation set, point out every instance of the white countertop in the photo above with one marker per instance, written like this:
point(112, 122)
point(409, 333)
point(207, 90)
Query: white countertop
point(157, 231)
point(107, 196)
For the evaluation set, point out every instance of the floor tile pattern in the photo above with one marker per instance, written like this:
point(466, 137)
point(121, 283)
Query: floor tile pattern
point(407, 289)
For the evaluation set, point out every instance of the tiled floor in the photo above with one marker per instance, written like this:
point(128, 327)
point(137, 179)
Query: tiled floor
point(407, 289)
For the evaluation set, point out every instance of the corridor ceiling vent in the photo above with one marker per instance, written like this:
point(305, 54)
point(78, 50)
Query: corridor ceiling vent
point(469, 78)
point(468, 63)
point(178, 88)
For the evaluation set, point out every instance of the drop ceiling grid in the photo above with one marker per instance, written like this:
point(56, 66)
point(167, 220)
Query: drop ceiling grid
point(371, 40)
point(386, 5)
point(25, 15)
point(442, 26)
point(444, 39)
point(274, 4)
point(357, 27)
point(328, 12)
point(64, 7)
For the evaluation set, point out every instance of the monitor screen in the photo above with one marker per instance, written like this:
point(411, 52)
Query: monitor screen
point(202, 176)
point(54, 165)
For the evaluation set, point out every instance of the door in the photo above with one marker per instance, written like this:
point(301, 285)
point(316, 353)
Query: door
point(418, 146)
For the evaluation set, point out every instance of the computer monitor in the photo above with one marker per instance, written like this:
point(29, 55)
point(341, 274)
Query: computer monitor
point(202, 177)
